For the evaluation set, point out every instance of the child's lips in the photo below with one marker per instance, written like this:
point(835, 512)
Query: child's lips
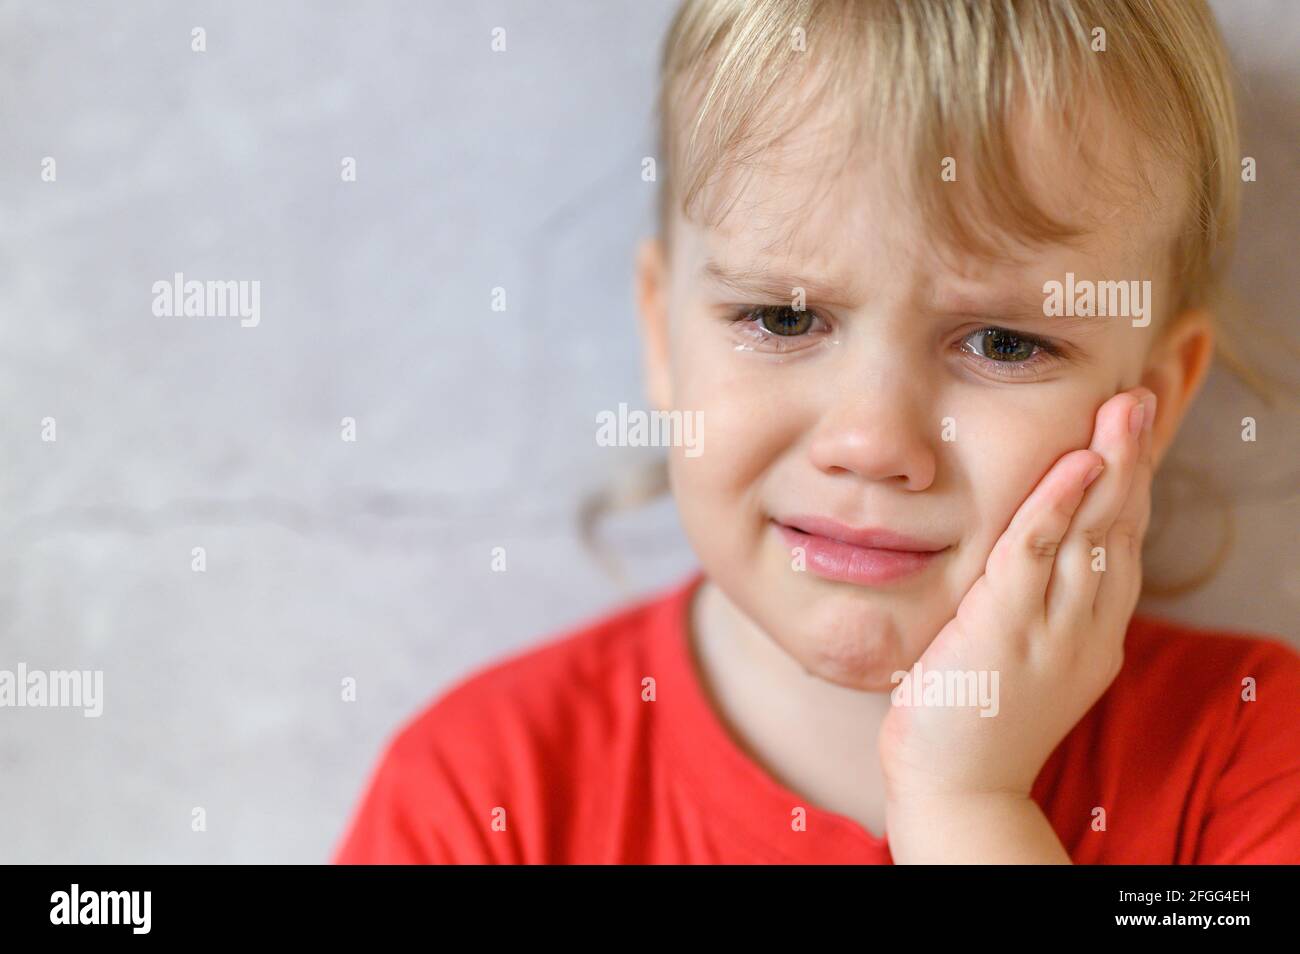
point(869, 556)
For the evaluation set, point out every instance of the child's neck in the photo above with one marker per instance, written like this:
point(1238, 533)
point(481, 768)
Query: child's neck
point(815, 738)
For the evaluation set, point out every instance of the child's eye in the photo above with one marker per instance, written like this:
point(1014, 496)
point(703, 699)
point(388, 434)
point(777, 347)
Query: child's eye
point(1009, 353)
point(774, 327)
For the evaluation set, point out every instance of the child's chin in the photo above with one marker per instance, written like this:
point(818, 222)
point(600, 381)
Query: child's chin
point(860, 650)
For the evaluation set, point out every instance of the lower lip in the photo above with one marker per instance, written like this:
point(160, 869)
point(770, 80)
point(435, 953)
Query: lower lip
point(837, 560)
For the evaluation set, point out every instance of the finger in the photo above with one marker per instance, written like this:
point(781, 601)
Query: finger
point(1122, 584)
point(1020, 564)
point(1077, 574)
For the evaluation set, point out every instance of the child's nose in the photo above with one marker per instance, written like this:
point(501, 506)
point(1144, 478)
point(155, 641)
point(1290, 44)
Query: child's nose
point(879, 434)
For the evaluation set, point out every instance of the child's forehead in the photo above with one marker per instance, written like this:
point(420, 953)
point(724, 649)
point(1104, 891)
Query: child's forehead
point(797, 205)
point(841, 273)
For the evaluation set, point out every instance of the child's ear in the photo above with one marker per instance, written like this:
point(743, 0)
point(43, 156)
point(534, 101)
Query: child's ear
point(652, 309)
point(1175, 371)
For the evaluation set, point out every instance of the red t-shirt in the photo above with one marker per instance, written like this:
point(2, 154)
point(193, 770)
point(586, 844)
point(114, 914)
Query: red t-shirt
point(556, 747)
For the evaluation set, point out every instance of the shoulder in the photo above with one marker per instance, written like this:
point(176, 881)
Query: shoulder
point(561, 685)
point(1215, 713)
point(1194, 694)
point(1161, 651)
point(522, 738)
point(1192, 751)
point(1206, 688)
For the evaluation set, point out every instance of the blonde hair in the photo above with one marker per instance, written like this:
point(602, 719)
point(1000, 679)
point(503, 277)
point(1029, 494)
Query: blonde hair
point(954, 76)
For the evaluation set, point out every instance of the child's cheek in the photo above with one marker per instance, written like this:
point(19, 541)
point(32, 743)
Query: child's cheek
point(1006, 452)
point(746, 422)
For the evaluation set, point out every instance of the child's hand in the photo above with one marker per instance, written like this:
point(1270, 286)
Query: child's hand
point(1042, 617)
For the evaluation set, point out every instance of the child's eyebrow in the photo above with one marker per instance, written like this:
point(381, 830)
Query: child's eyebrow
point(754, 281)
point(1021, 307)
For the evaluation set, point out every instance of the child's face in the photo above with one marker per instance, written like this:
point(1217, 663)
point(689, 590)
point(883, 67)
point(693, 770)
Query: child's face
point(881, 408)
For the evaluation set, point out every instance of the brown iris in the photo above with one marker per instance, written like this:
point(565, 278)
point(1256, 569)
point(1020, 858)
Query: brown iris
point(784, 320)
point(1004, 346)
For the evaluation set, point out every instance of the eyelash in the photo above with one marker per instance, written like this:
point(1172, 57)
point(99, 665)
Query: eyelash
point(1046, 352)
point(753, 314)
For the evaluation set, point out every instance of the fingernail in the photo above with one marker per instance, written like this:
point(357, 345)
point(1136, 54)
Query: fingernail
point(1149, 416)
point(1093, 475)
point(1137, 416)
